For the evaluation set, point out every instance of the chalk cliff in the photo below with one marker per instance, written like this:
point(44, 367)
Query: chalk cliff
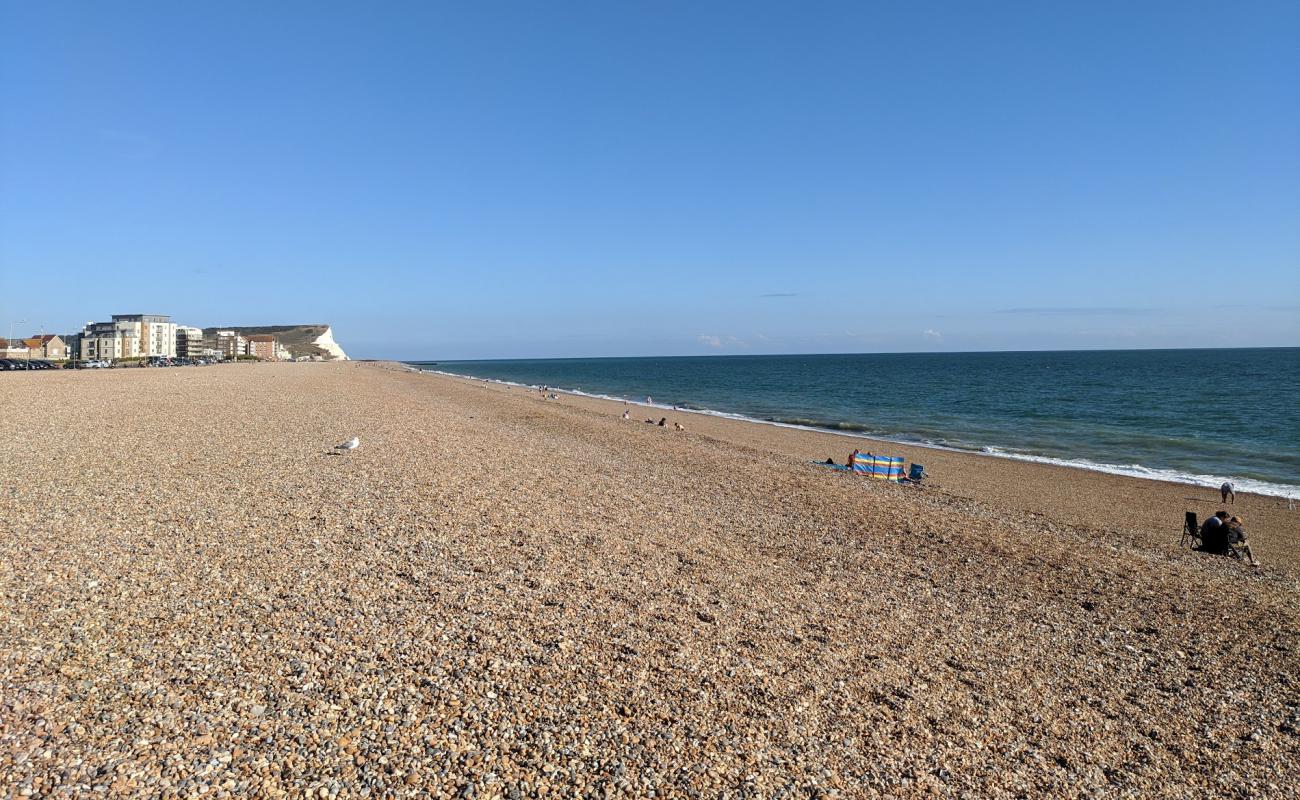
point(299, 340)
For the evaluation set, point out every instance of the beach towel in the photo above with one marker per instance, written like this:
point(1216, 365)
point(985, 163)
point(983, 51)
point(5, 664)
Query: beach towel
point(885, 468)
point(839, 467)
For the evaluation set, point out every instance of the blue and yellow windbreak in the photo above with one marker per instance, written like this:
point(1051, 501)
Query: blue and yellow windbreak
point(886, 468)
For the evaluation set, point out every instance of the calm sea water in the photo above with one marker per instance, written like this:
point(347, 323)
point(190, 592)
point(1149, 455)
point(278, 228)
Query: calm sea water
point(1198, 416)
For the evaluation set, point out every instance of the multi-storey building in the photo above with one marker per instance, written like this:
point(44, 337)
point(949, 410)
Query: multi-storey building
point(262, 345)
point(129, 336)
point(157, 333)
point(189, 342)
point(231, 344)
point(109, 341)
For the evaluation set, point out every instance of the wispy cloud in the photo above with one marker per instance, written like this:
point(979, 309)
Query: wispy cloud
point(931, 333)
point(780, 294)
point(717, 342)
point(1077, 310)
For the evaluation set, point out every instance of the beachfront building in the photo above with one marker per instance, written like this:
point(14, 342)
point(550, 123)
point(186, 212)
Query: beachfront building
point(109, 341)
point(231, 345)
point(48, 346)
point(157, 333)
point(263, 346)
point(129, 336)
point(189, 342)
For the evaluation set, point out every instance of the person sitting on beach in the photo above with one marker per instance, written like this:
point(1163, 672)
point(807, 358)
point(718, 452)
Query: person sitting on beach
point(1237, 539)
point(852, 457)
point(677, 426)
point(1214, 533)
point(1227, 490)
point(627, 412)
point(663, 421)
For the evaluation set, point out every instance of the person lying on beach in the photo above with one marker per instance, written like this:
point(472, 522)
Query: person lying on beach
point(1227, 490)
point(679, 426)
point(1237, 539)
point(627, 413)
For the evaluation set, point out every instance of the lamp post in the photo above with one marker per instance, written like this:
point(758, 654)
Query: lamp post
point(9, 343)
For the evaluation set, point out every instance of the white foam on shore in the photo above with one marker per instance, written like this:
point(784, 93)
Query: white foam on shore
point(1244, 485)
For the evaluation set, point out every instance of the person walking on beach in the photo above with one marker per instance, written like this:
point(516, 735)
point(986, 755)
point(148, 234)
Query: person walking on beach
point(1228, 491)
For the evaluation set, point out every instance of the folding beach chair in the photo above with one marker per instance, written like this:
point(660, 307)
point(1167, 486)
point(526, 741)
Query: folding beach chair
point(1191, 530)
point(885, 468)
point(916, 473)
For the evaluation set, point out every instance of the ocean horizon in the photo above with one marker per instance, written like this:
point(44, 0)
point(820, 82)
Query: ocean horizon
point(1195, 416)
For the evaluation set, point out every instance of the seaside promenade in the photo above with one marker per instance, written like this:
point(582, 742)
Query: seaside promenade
point(502, 596)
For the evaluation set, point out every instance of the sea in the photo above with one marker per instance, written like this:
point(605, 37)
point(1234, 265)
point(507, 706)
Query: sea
point(1193, 416)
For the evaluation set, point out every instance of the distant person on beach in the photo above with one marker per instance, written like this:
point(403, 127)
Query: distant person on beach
point(852, 457)
point(678, 426)
point(663, 421)
point(627, 412)
point(1228, 491)
point(1237, 538)
point(1214, 533)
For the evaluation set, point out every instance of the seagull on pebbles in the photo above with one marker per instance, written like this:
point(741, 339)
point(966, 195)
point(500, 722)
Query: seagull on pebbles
point(349, 445)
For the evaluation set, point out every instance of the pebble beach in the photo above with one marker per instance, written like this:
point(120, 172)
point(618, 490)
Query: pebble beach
point(502, 596)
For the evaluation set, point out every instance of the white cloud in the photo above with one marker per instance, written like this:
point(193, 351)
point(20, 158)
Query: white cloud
point(931, 333)
point(721, 341)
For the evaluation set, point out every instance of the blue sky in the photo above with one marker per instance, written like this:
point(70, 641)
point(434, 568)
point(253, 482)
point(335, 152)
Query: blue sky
point(570, 179)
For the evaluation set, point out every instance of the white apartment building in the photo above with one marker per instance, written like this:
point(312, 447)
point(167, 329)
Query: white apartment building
point(129, 336)
point(157, 333)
